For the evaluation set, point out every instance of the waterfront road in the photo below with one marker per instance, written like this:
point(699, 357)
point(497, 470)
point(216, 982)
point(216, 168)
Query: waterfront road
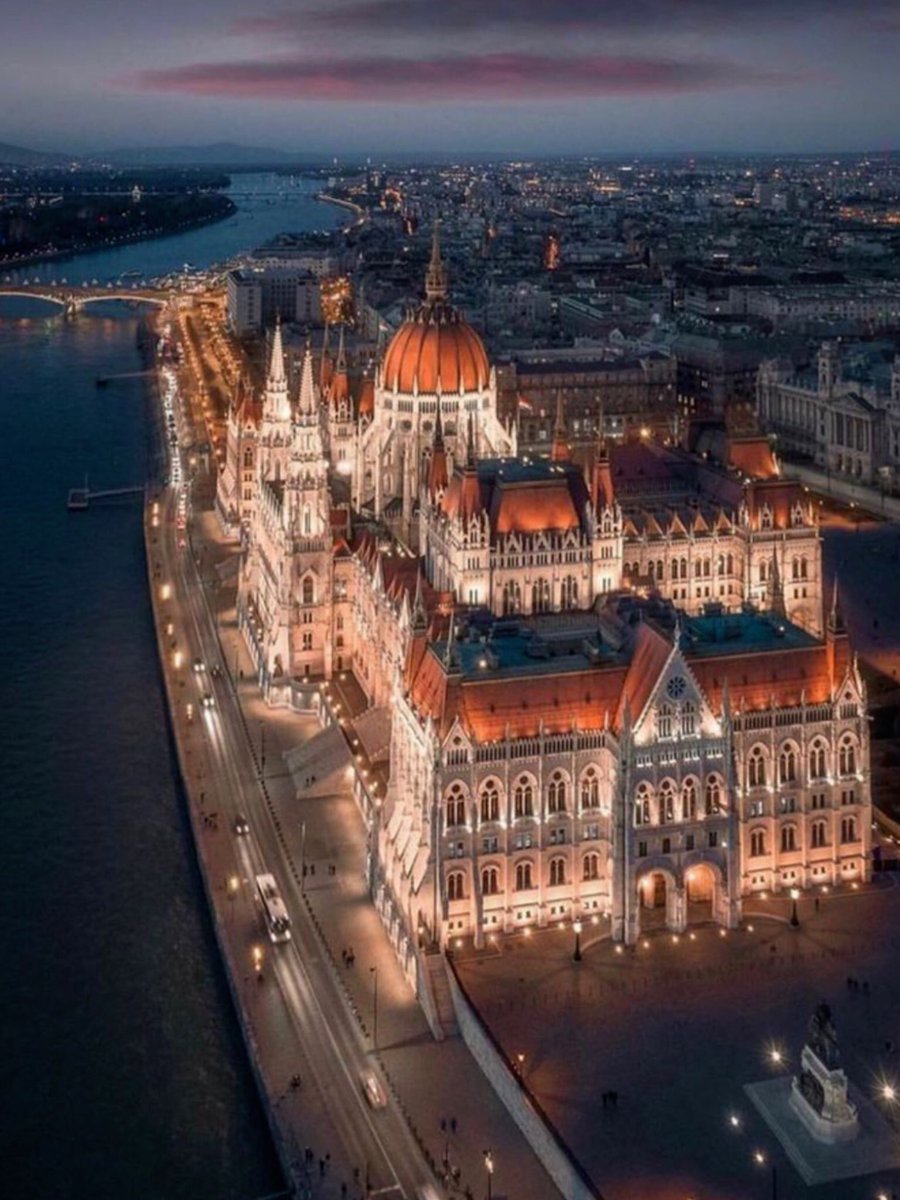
point(297, 1016)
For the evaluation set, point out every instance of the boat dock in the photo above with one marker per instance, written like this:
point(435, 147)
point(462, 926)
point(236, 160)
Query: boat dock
point(81, 498)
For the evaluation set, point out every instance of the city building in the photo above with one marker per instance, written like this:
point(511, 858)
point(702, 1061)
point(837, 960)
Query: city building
point(602, 689)
point(256, 295)
point(839, 413)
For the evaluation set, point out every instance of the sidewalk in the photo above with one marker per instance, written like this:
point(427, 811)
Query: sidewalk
point(434, 1081)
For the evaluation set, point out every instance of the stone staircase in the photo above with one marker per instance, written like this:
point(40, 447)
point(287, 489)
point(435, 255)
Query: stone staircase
point(318, 766)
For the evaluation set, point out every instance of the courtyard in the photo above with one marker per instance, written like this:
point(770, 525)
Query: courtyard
point(680, 1024)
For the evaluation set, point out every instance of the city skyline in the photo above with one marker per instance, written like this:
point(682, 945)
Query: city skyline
point(394, 76)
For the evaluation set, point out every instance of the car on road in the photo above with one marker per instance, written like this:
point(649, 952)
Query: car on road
point(198, 665)
point(372, 1090)
point(427, 1191)
point(207, 700)
point(241, 825)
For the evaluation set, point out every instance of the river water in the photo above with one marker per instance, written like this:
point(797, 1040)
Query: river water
point(122, 1072)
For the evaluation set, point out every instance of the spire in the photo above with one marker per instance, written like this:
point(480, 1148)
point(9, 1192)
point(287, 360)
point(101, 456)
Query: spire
point(836, 616)
point(436, 275)
point(278, 406)
point(560, 452)
point(276, 360)
point(307, 403)
point(341, 360)
point(602, 491)
point(419, 616)
point(450, 654)
point(437, 467)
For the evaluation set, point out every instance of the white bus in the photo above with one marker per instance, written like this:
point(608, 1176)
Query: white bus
point(278, 922)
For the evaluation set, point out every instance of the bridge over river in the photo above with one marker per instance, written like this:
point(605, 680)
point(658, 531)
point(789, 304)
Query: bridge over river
point(72, 299)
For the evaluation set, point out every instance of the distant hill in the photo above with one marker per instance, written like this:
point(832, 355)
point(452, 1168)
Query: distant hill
point(21, 156)
point(218, 154)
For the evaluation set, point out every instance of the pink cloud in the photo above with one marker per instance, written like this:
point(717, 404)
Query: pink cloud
point(501, 77)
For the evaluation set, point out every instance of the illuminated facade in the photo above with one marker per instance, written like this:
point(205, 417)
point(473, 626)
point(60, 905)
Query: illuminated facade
point(611, 691)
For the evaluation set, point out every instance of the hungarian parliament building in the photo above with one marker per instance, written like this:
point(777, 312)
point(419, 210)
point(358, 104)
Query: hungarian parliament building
point(611, 689)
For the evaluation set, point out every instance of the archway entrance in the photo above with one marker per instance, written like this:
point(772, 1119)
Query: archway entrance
point(701, 883)
point(660, 903)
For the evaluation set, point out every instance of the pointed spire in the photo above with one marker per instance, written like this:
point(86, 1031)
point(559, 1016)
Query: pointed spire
point(307, 402)
point(276, 360)
point(560, 452)
point(438, 476)
point(341, 360)
point(450, 653)
point(836, 616)
point(436, 275)
point(419, 616)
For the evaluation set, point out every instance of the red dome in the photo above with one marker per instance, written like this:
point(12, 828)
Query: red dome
point(436, 351)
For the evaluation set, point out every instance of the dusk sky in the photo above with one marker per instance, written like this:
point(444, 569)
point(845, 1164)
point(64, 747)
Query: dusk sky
point(377, 76)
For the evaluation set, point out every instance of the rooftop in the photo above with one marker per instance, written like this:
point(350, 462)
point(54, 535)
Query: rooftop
point(729, 633)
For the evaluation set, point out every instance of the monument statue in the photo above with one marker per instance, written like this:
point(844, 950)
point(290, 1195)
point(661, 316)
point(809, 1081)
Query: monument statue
point(820, 1093)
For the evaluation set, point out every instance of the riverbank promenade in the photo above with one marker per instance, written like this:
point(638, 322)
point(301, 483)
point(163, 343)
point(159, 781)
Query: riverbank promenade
point(311, 1015)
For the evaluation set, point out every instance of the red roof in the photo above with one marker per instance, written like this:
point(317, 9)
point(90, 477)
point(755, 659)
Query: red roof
point(436, 351)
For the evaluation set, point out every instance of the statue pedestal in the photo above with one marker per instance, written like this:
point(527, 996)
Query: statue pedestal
point(819, 1098)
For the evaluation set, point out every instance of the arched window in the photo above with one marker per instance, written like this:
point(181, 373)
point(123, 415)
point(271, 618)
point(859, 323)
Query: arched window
point(819, 834)
point(756, 768)
point(456, 806)
point(591, 867)
point(817, 759)
point(730, 564)
point(720, 565)
point(712, 800)
point(309, 590)
point(665, 720)
point(557, 872)
point(787, 764)
point(688, 718)
point(523, 877)
point(847, 756)
point(763, 571)
point(666, 801)
point(556, 793)
point(757, 843)
point(307, 521)
point(490, 802)
point(590, 789)
point(642, 805)
point(490, 881)
point(674, 571)
point(689, 800)
point(788, 838)
point(684, 568)
point(569, 592)
point(848, 829)
point(456, 886)
point(540, 596)
point(248, 458)
point(523, 798)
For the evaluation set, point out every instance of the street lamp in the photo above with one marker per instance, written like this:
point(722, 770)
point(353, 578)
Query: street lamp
point(489, 1171)
point(232, 884)
point(795, 896)
point(374, 973)
point(258, 962)
point(760, 1159)
point(576, 957)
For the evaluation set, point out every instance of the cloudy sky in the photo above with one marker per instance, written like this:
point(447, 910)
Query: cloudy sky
point(376, 76)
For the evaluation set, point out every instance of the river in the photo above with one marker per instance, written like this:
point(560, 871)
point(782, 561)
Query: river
point(123, 1072)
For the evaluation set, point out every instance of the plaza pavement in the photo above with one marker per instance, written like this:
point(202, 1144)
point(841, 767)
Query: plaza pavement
point(434, 1081)
point(677, 1029)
